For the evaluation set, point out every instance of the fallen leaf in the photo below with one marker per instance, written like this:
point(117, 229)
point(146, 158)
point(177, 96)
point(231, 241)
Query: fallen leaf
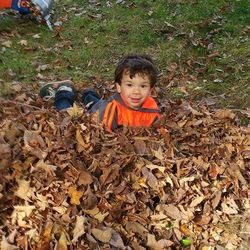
point(62, 243)
point(116, 240)
point(102, 235)
point(84, 178)
point(5, 245)
point(136, 228)
point(79, 229)
point(24, 190)
point(75, 111)
point(23, 42)
point(225, 114)
point(7, 44)
point(156, 245)
point(196, 201)
point(20, 213)
point(74, 195)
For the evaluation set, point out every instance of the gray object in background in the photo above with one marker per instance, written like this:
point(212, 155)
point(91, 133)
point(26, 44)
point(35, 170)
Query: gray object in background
point(44, 7)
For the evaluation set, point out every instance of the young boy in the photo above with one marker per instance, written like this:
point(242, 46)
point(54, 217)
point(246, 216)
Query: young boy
point(135, 77)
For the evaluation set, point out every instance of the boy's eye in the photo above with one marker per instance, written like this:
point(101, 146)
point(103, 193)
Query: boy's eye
point(144, 86)
point(129, 84)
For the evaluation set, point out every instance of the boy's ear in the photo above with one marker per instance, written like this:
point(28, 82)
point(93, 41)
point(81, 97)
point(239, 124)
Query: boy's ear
point(118, 87)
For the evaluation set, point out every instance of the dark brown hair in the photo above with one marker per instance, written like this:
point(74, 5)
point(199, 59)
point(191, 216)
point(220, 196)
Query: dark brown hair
point(136, 64)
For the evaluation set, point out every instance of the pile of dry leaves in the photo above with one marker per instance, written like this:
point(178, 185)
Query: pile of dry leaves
point(68, 184)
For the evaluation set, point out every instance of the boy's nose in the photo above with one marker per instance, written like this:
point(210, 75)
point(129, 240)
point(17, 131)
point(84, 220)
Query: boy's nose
point(136, 90)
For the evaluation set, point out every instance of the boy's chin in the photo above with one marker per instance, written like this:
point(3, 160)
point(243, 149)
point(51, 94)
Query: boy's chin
point(135, 106)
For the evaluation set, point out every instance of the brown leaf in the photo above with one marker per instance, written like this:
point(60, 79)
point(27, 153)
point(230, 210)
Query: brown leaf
point(81, 143)
point(225, 114)
point(110, 174)
point(140, 147)
point(196, 201)
point(151, 179)
point(136, 228)
point(85, 178)
point(116, 240)
point(172, 211)
point(102, 235)
point(202, 219)
point(156, 245)
point(216, 199)
point(5, 156)
point(91, 200)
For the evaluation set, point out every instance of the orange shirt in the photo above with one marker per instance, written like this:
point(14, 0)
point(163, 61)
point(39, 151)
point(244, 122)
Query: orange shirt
point(115, 112)
point(4, 4)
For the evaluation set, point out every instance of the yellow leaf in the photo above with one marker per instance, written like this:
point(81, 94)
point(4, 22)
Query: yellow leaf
point(100, 217)
point(142, 182)
point(62, 243)
point(75, 111)
point(42, 201)
point(79, 229)
point(23, 190)
point(102, 235)
point(184, 229)
point(93, 211)
point(75, 196)
point(36, 36)
point(23, 42)
point(152, 167)
point(33, 234)
point(7, 44)
point(61, 210)
point(19, 213)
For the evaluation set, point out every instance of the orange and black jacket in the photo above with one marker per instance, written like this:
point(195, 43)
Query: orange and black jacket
point(114, 113)
point(5, 4)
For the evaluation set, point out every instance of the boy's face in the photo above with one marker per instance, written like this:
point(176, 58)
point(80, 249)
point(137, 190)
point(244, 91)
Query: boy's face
point(134, 90)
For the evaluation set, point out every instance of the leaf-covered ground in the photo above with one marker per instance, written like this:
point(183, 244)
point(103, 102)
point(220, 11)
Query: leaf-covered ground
point(205, 45)
point(68, 184)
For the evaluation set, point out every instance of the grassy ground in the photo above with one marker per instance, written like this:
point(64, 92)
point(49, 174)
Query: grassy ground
point(201, 47)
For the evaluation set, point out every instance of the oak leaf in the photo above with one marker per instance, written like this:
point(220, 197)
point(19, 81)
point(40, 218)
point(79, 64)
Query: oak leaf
point(24, 190)
point(75, 111)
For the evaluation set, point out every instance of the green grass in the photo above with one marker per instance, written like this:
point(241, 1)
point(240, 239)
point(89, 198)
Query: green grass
point(89, 46)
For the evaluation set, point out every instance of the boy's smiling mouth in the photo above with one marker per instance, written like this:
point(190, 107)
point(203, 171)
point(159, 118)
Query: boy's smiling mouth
point(135, 99)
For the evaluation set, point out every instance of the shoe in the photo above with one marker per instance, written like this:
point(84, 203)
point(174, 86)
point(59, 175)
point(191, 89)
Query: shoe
point(49, 90)
point(89, 97)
